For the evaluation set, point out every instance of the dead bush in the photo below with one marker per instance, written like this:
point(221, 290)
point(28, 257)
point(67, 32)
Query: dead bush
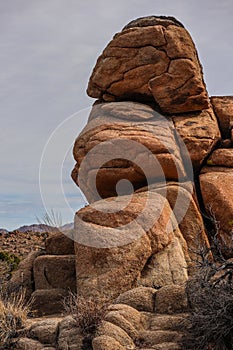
point(88, 313)
point(13, 313)
point(210, 295)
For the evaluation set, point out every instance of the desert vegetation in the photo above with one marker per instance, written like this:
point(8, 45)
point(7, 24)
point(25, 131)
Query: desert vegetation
point(13, 314)
point(210, 295)
point(88, 314)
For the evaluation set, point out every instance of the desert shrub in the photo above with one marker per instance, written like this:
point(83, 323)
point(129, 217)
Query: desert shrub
point(13, 314)
point(210, 294)
point(11, 259)
point(88, 314)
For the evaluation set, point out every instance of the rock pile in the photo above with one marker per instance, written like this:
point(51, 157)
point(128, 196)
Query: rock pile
point(142, 318)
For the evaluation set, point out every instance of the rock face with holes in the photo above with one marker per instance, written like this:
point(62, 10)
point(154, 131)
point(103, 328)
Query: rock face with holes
point(151, 59)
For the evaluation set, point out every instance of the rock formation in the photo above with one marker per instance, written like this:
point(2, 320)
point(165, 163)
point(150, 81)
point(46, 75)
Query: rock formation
point(139, 157)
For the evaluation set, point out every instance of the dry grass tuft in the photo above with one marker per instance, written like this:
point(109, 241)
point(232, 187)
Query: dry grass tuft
point(13, 314)
point(87, 312)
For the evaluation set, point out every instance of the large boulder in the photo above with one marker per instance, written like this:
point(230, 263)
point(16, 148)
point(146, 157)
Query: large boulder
point(129, 141)
point(217, 194)
point(59, 243)
point(200, 133)
point(48, 301)
point(152, 58)
point(115, 239)
point(55, 271)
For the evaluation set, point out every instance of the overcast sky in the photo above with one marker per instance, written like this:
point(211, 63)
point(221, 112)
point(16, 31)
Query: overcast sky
point(47, 51)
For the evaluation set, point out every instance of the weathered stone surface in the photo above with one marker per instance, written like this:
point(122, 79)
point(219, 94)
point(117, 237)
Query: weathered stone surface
point(55, 271)
point(125, 140)
point(223, 108)
point(117, 333)
point(160, 337)
point(166, 267)
point(48, 301)
point(151, 60)
point(59, 244)
point(200, 134)
point(105, 342)
point(28, 344)
point(221, 157)
point(184, 203)
point(23, 276)
point(127, 318)
point(45, 331)
point(171, 299)
point(163, 321)
point(69, 335)
point(140, 298)
point(217, 194)
point(145, 330)
point(115, 245)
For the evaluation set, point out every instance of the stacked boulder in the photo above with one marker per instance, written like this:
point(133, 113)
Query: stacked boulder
point(47, 275)
point(147, 137)
point(53, 275)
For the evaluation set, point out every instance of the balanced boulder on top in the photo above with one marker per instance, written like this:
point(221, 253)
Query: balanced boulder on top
point(152, 58)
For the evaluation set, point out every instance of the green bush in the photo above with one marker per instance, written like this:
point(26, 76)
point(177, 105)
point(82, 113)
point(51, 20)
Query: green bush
point(11, 259)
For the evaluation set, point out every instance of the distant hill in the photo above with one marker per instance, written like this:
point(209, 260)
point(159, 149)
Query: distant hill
point(3, 231)
point(40, 228)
